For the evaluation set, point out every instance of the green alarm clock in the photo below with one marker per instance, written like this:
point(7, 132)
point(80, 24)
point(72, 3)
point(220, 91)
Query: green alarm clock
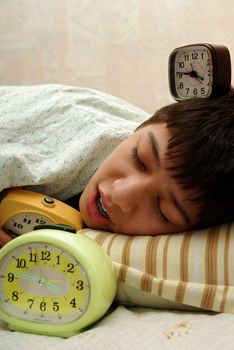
point(55, 282)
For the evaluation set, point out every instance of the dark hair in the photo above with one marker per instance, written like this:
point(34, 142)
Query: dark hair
point(201, 153)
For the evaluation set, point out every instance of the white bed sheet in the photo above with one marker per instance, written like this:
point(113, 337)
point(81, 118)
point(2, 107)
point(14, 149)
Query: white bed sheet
point(137, 328)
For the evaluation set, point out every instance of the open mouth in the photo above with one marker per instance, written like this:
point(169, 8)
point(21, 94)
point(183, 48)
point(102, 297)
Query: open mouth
point(101, 208)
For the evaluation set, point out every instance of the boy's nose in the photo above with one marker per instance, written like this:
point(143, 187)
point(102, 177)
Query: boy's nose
point(128, 193)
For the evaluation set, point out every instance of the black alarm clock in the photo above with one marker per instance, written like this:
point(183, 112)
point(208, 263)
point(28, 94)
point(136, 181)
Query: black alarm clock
point(199, 71)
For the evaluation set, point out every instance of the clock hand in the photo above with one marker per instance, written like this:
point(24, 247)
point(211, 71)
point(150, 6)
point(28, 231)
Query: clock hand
point(47, 283)
point(55, 281)
point(184, 73)
point(192, 74)
point(26, 276)
point(44, 281)
point(53, 286)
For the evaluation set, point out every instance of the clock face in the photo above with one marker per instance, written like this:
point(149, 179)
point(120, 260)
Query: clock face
point(191, 72)
point(43, 283)
point(24, 222)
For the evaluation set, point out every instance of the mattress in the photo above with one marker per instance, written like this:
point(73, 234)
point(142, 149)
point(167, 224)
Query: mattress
point(137, 328)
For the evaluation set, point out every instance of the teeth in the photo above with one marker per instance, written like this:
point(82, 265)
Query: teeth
point(102, 208)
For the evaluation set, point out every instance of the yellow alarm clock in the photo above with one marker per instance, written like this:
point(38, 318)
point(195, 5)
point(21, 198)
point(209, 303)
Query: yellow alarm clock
point(21, 210)
point(54, 282)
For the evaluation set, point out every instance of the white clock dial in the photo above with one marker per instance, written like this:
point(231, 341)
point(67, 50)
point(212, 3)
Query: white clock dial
point(25, 222)
point(193, 72)
point(43, 283)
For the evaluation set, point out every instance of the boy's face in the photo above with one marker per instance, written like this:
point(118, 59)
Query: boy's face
point(133, 193)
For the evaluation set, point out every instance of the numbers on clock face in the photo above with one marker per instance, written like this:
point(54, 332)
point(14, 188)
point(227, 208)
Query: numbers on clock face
point(193, 72)
point(43, 283)
point(24, 222)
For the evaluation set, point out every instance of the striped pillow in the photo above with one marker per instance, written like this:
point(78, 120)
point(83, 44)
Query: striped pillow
point(180, 271)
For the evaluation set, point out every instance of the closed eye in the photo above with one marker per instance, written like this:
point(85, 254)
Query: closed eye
point(159, 211)
point(136, 159)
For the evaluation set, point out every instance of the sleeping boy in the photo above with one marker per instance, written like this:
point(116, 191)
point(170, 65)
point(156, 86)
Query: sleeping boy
point(172, 173)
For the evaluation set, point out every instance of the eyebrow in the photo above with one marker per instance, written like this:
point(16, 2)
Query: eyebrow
point(154, 146)
point(173, 199)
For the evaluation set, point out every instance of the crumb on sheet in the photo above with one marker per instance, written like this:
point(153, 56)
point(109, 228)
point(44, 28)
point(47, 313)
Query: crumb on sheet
point(176, 330)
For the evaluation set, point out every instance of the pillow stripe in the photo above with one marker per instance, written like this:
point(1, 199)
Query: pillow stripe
point(122, 273)
point(226, 267)
point(164, 266)
point(111, 243)
point(151, 256)
point(208, 297)
point(224, 298)
point(180, 292)
point(211, 256)
point(146, 282)
point(125, 259)
point(160, 288)
point(184, 256)
point(101, 237)
point(165, 258)
point(226, 255)
point(211, 269)
point(126, 251)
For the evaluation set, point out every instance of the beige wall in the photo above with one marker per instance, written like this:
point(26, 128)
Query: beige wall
point(118, 46)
